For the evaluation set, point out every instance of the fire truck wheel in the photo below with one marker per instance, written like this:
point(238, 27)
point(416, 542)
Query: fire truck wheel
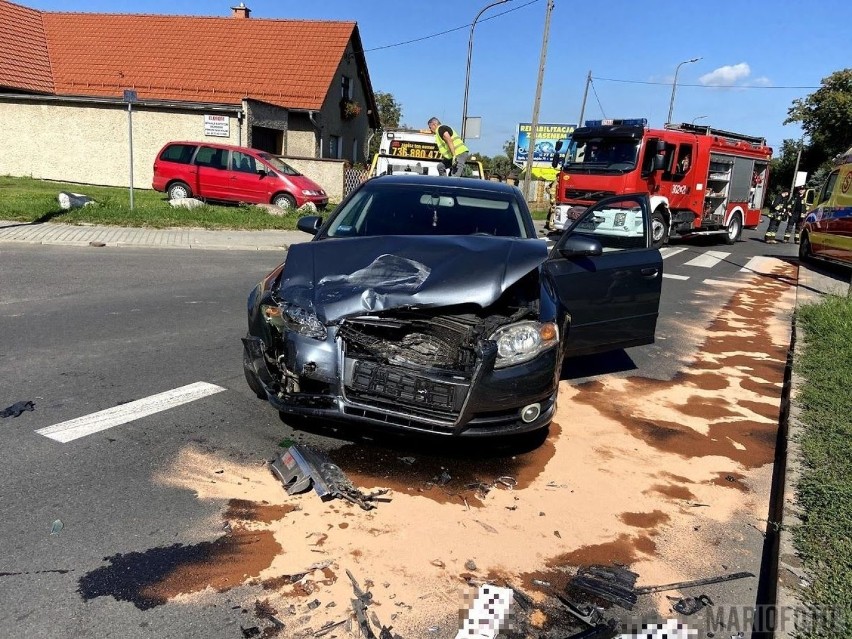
point(659, 229)
point(735, 229)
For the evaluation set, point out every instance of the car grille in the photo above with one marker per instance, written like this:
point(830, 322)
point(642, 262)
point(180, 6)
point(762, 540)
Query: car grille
point(586, 195)
point(372, 381)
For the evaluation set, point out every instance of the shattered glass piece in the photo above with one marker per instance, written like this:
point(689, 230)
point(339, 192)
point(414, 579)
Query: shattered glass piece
point(57, 527)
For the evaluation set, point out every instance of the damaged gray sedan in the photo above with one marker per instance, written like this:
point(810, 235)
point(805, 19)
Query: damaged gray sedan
point(430, 304)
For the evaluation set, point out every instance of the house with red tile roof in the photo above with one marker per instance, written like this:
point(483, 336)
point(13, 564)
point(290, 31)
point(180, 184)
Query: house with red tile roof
point(298, 88)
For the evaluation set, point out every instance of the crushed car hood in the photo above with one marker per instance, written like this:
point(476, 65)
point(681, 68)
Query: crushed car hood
point(341, 278)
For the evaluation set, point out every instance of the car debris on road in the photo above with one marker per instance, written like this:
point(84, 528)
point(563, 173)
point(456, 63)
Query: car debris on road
point(300, 467)
point(16, 409)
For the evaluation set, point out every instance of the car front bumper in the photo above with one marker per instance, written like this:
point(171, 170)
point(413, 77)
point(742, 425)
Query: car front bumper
point(488, 403)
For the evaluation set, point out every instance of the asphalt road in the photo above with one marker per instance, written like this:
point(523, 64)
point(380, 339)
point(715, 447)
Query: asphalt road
point(87, 329)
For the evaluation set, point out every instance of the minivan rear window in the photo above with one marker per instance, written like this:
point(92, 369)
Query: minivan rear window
point(180, 153)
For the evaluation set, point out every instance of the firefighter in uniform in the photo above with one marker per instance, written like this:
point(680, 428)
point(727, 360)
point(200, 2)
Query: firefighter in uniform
point(451, 146)
point(797, 209)
point(778, 210)
point(551, 211)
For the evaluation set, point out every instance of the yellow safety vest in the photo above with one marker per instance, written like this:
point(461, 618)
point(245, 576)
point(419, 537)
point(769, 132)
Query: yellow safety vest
point(444, 148)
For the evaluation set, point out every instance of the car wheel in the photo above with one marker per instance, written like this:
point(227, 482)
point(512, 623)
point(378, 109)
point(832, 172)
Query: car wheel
point(805, 253)
point(735, 229)
point(285, 201)
point(179, 190)
point(659, 229)
point(251, 377)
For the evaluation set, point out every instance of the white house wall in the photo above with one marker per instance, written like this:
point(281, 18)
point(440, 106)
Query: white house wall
point(89, 143)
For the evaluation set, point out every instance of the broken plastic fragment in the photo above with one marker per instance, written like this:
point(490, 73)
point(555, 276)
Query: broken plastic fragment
point(16, 409)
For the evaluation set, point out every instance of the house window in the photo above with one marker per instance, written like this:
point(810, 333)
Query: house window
point(346, 87)
point(334, 146)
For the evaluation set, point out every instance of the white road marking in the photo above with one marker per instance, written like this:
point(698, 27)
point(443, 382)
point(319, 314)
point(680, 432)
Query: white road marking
point(80, 427)
point(730, 284)
point(672, 276)
point(760, 264)
point(708, 259)
point(668, 251)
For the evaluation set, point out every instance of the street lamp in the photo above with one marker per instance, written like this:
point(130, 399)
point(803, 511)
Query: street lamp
point(469, 54)
point(674, 87)
point(698, 117)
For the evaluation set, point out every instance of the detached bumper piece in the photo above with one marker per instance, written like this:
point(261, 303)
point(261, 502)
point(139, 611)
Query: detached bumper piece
point(300, 467)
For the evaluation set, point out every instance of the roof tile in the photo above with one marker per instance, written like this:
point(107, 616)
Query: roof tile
point(24, 62)
point(290, 63)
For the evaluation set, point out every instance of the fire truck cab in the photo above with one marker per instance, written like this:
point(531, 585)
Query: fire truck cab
point(701, 181)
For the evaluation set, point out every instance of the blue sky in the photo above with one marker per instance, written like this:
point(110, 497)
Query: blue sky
point(773, 51)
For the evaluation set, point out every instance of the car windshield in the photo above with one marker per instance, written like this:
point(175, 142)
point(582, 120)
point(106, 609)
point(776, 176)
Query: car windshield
point(278, 164)
point(380, 208)
point(603, 153)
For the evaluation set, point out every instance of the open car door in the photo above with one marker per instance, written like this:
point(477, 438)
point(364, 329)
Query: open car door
point(607, 277)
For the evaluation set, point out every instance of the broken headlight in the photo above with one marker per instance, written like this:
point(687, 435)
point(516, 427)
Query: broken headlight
point(295, 318)
point(521, 342)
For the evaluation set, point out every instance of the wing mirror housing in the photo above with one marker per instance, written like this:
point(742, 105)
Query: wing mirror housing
point(579, 246)
point(309, 224)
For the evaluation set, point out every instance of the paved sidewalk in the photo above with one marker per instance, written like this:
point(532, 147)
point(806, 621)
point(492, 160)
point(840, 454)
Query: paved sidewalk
point(183, 238)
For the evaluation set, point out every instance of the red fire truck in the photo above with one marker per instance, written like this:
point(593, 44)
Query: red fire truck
point(701, 181)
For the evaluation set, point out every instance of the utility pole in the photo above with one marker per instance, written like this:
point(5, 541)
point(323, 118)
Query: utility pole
point(585, 95)
point(537, 103)
point(796, 170)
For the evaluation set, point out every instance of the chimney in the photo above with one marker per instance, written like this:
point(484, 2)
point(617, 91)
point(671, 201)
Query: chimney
point(241, 11)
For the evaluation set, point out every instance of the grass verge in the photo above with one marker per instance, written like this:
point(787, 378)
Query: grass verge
point(825, 488)
point(29, 200)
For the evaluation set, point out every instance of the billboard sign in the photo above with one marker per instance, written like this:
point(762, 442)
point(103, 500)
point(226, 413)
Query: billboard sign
point(546, 137)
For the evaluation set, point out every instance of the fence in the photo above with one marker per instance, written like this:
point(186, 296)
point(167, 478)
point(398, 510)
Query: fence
point(352, 178)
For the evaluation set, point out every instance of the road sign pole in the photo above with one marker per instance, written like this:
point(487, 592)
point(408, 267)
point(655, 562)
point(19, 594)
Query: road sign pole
point(130, 138)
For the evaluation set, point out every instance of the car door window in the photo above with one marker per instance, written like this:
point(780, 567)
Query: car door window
point(828, 188)
point(212, 157)
point(243, 162)
point(619, 223)
point(179, 153)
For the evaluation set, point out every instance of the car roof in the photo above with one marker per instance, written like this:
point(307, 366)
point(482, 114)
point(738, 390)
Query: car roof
point(436, 180)
point(217, 145)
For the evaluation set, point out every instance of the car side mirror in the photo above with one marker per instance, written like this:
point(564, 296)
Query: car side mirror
point(578, 246)
point(810, 196)
point(555, 161)
point(309, 224)
point(262, 172)
point(659, 162)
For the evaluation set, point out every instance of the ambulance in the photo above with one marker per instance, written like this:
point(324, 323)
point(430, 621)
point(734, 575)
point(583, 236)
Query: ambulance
point(827, 230)
point(414, 151)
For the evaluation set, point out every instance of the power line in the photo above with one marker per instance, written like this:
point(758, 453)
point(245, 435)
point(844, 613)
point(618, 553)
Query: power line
point(595, 91)
point(706, 86)
point(441, 33)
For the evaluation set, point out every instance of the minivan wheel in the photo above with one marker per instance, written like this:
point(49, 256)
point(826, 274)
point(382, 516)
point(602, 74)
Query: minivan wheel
point(179, 190)
point(285, 201)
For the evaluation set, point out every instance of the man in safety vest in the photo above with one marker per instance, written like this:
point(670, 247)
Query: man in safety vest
point(451, 146)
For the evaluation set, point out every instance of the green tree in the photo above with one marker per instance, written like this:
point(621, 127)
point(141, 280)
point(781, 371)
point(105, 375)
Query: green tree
point(390, 115)
point(509, 148)
point(826, 117)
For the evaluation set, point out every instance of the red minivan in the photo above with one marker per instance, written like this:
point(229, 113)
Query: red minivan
point(232, 174)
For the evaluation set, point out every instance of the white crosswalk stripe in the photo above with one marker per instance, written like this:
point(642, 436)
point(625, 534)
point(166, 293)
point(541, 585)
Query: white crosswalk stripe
point(708, 259)
point(668, 251)
point(672, 276)
point(80, 427)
